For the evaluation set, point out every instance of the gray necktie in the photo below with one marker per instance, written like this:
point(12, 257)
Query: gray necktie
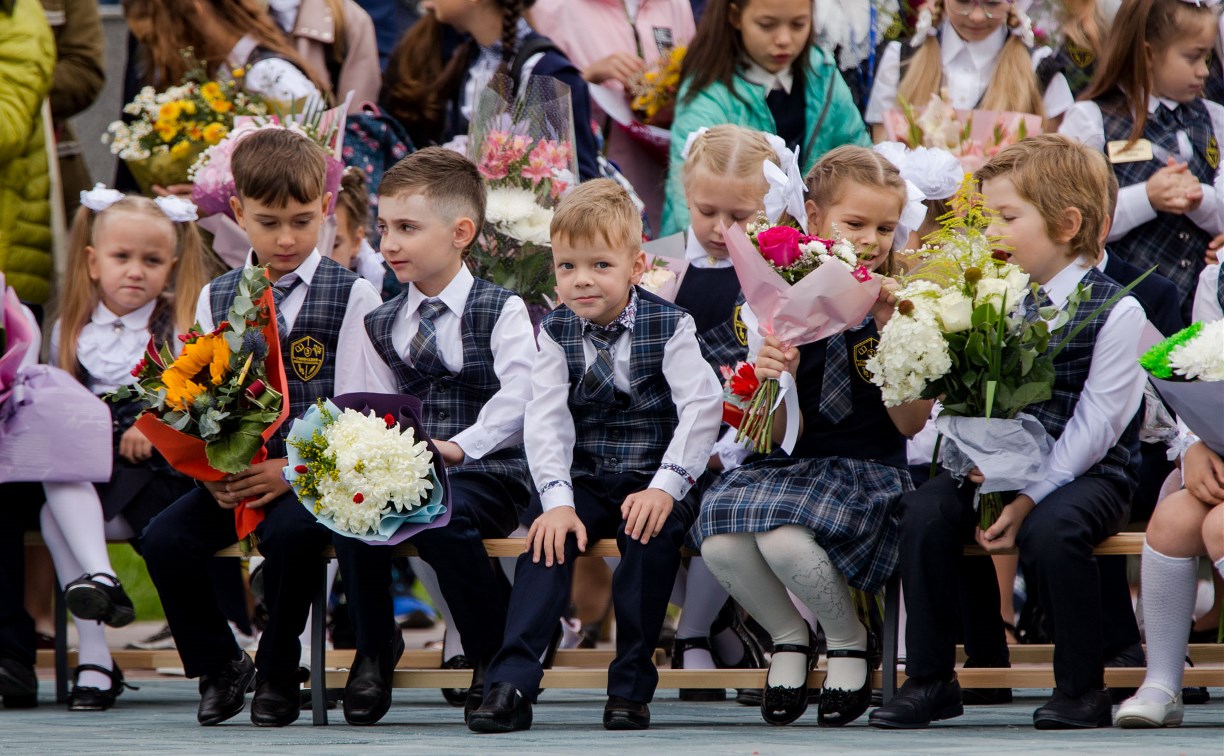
point(424, 347)
point(835, 387)
point(598, 383)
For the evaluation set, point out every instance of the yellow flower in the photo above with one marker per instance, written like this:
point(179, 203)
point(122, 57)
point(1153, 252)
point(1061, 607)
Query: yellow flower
point(221, 106)
point(180, 391)
point(238, 73)
point(180, 149)
point(189, 107)
point(208, 351)
point(214, 132)
point(211, 91)
point(169, 111)
point(167, 130)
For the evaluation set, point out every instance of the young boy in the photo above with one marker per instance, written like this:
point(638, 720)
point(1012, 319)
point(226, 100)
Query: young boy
point(1048, 192)
point(622, 417)
point(281, 202)
point(464, 347)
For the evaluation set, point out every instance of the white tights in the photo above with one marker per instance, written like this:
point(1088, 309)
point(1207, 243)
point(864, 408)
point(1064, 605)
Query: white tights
point(758, 568)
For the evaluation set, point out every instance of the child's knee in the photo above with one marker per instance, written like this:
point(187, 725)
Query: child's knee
point(1213, 533)
point(1177, 524)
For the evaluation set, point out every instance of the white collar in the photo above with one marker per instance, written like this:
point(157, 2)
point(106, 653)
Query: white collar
point(454, 296)
point(1155, 102)
point(134, 321)
point(1060, 287)
point(756, 74)
point(241, 51)
point(699, 258)
point(305, 271)
point(1103, 261)
point(285, 12)
point(982, 54)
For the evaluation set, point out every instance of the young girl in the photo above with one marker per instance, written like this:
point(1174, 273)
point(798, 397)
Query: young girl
point(125, 253)
point(979, 51)
point(1146, 113)
point(753, 64)
point(822, 517)
point(352, 249)
point(435, 99)
point(1082, 27)
point(336, 40)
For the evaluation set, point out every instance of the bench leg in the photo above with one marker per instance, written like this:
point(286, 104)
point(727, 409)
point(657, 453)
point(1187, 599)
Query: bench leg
point(61, 646)
point(892, 616)
point(318, 649)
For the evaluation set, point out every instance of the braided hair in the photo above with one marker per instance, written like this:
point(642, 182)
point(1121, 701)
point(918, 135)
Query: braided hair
point(512, 11)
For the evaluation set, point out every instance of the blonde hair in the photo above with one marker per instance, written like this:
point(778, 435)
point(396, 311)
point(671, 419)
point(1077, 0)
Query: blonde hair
point(194, 267)
point(1084, 25)
point(354, 198)
point(827, 180)
point(1013, 85)
point(1054, 173)
point(598, 210)
point(729, 151)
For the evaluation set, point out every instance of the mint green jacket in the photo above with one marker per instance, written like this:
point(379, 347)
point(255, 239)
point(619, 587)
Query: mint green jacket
point(828, 103)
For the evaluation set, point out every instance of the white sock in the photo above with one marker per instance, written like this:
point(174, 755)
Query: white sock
point(451, 645)
point(75, 508)
point(91, 636)
point(1168, 605)
point(118, 529)
point(703, 599)
point(806, 570)
point(736, 561)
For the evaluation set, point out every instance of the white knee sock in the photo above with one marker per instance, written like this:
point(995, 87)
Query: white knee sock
point(703, 598)
point(804, 567)
point(91, 636)
point(736, 561)
point(1168, 606)
point(451, 645)
point(118, 529)
point(78, 513)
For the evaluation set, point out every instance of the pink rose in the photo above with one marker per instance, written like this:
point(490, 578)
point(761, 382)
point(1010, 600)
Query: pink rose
point(861, 274)
point(779, 245)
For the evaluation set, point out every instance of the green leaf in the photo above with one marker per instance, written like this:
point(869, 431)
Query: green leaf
point(1031, 393)
point(177, 420)
point(991, 386)
point(975, 349)
point(233, 453)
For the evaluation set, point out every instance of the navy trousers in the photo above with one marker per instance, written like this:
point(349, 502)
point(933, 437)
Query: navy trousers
point(22, 502)
point(1055, 542)
point(482, 506)
point(641, 587)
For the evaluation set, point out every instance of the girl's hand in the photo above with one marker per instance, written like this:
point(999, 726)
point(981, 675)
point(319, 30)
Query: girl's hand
point(452, 453)
point(619, 66)
point(134, 447)
point(1212, 256)
point(886, 304)
point(1173, 190)
point(1203, 473)
point(773, 359)
point(174, 190)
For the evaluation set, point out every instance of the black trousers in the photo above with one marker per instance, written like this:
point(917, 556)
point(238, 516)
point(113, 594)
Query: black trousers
point(21, 501)
point(1055, 543)
point(179, 543)
point(482, 506)
point(641, 587)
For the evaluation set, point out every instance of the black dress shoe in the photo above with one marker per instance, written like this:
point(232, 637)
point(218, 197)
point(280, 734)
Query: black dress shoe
point(223, 693)
point(276, 703)
point(918, 703)
point(104, 600)
point(1062, 712)
point(18, 684)
point(623, 714)
point(367, 694)
point(782, 705)
point(475, 692)
point(457, 696)
point(986, 696)
point(695, 695)
point(1130, 656)
point(840, 707)
point(85, 698)
point(503, 710)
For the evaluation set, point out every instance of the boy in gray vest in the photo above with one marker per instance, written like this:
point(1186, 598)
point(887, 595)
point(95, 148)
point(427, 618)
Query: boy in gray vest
point(623, 414)
point(281, 202)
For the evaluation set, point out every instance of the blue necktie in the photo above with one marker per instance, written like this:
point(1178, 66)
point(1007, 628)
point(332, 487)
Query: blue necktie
point(424, 346)
point(598, 383)
point(835, 387)
point(279, 294)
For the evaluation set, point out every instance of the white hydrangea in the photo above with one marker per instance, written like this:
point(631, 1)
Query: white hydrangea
point(912, 353)
point(389, 469)
point(1201, 358)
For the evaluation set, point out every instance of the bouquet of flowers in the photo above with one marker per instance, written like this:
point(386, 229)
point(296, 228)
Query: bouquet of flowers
point(173, 127)
point(1187, 369)
point(654, 90)
point(364, 474)
point(801, 289)
point(973, 136)
point(212, 410)
point(961, 335)
point(524, 149)
point(660, 280)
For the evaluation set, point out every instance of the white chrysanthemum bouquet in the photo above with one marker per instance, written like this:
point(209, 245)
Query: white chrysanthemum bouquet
point(1187, 369)
point(364, 475)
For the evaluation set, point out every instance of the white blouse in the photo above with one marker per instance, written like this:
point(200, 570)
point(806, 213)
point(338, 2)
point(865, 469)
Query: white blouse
point(110, 345)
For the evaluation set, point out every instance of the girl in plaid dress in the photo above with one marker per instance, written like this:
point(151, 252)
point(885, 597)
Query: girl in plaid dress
point(821, 518)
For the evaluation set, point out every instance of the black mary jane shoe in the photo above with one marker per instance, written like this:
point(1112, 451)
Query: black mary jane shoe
point(104, 601)
point(695, 695)
point(84, 698)
point(782, 705)
point(840, 707)
point(457, 696)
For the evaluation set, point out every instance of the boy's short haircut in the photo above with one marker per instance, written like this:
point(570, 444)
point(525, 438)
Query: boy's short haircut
point(1054, 173)
point(598, 211)
point(449, 181)
point(274, 166)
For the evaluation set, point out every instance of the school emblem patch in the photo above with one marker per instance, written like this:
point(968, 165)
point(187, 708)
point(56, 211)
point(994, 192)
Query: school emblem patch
point(863, 351)
point(1082, 57)
point(741, 330)
point(1213, 152)
point(306, 357)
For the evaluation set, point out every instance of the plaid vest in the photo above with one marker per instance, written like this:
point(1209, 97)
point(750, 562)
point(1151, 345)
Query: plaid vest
point(715, 302)
point(1077, 64)
point(1071, 367)
point(1173, 243)
point(631, 434)
point(310, 346)
point(451, 403)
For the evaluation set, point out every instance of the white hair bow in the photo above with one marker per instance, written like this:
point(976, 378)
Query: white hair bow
point(178, 209)
point(915, 211)
point(786, 185)
point(100, 197)
point(692, 137)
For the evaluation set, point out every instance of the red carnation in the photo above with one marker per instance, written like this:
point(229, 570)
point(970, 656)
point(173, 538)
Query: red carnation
point(744, 382)
point(300, 469)
point(389, 419)
point(358, 498)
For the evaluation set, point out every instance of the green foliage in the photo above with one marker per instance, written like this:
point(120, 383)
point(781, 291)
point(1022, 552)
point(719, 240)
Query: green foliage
point(1156, 359)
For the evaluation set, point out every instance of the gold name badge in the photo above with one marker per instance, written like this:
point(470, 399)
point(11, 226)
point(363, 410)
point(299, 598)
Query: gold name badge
point(1139, 152)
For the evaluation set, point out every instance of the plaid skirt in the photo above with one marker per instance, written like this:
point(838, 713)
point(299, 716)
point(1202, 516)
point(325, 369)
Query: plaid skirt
point(850, 504)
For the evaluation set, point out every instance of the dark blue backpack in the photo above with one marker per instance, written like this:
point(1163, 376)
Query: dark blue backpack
point(373, 142)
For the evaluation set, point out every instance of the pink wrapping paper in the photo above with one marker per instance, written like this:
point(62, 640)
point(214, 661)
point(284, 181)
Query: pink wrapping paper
point(20, 337)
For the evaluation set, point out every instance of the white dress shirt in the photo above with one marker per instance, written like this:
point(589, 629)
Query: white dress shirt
point(967, 70)
point(696, 255)
point(1084, 124)
point(784, 79)
point(363, 298)
point(499, 423)
point(1206, 297)
point(110, 345)
point(549, 431)
point(1111, 394)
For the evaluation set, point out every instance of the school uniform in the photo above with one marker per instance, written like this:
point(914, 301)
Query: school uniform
point(473, 379)
point(322, 305)
point(614, 410)
point(844, 476)
point(1209, 296)
point(1189, 132)
point(709, 291)
point(967, 70)
point(1084, 498)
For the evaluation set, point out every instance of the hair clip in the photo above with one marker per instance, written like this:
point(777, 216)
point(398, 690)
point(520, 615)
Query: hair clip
point(1024, 26)
point(924, 27)
point(691, 140)
point(100, 197)
point(785, 182)
point(178, 209)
